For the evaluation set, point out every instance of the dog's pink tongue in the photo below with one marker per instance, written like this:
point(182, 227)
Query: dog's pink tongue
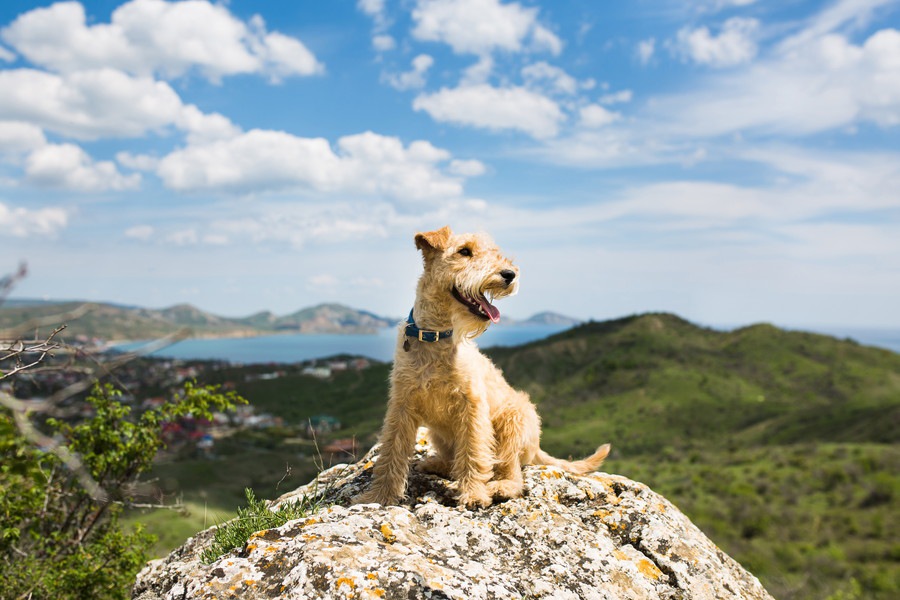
point(490, 310)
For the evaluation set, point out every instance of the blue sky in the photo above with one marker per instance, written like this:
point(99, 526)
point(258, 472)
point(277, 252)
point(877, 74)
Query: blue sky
point(732, 161)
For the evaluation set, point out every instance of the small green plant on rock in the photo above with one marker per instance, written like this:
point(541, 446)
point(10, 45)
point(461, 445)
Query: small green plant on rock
point(254, 517)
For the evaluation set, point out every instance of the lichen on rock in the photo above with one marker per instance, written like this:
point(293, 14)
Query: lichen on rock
point(597, 536)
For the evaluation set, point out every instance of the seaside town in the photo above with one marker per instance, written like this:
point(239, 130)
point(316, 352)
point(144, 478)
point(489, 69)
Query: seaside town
point(148, 383)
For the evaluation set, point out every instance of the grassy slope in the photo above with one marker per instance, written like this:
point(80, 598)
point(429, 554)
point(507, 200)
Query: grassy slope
point(782, 446)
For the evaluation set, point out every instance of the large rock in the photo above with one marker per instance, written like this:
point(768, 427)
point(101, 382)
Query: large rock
point(597, 536)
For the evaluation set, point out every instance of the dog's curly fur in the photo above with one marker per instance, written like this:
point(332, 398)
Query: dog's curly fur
point(483, 430)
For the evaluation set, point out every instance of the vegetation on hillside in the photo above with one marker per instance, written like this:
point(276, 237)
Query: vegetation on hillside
point(783, 446)
point(116, 322)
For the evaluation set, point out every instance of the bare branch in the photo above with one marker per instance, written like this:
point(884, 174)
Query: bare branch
point(16, 350)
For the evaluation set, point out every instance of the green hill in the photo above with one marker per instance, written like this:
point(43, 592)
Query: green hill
point(117, 322)
point(783, 446)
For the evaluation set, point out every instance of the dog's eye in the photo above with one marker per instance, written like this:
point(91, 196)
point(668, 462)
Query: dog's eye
point(465, 251)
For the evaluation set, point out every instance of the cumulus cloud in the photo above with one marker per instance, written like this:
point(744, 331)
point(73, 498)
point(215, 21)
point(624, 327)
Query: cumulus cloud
point(18, 138)
point(137, 162)
point(147, 37)
point(69, 167)
point(414, 78)
point(101, 103)
point(365, 163)
point(825, 84)
point(552, 79)
point(645, 50)
point(622, 96)
point(594, 115)
point(383, 42)
point(494, 108)
point(20, 222)
point(482, 26)
point(735, 43)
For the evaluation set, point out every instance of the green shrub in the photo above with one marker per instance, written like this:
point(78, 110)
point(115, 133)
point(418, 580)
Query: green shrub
point(57, 539)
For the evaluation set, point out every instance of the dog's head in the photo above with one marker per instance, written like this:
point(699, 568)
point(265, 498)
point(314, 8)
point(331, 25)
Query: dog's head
point(464, 273)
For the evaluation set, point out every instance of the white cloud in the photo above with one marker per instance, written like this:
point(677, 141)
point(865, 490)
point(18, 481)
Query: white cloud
point(414, 78)
point(18, 138)
point(140, 232)
point(20, 222)
point(482, 26)
point(146, 37)
point(137, 162)
point(467, 168)
point(593, 116)
point(479, 72)
point(836, 16)
point(619, 97)
point(101, 103)
point(383, 42)
point(645, 50)
point(373, 8)
point(69, 167)
point(183, 237)
point(735, 43)
point(825, 84)
point(487, 107)
point(365, 163)
point(549, 78)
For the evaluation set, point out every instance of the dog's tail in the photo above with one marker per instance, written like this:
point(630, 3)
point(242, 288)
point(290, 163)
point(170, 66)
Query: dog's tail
point(578, 467)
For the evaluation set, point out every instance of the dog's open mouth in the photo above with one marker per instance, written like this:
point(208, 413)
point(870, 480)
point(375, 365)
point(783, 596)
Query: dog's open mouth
point(478, 306)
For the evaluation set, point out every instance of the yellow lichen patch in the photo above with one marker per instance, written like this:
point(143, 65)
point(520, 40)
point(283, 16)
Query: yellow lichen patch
point(368, 465)
point(648, 569)
point(553, 474)
point(271, 549)
point(311, 521)
point(602, 514)
point(348, 581)
point(249, 582)
point(388, 534)
point(588, 493)
point(251, 547)
point(371, 576)
point(258, 534)
point(621, 555)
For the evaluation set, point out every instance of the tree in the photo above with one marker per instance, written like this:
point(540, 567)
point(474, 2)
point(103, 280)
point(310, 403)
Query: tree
point(64, 483)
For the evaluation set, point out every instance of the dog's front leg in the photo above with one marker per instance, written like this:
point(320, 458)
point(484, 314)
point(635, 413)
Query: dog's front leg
point(473, 457)
point(398, 440)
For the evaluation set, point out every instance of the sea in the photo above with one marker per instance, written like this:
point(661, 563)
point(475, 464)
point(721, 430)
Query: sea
point(295, 348)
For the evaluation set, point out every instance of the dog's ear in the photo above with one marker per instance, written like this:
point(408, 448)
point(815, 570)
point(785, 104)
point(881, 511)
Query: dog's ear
point(431, 241)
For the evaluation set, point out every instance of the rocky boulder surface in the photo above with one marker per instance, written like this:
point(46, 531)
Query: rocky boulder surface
point(598, 537)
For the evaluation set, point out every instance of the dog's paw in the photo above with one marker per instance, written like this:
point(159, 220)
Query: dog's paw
point(475, 497)
point(504, 489)
point(373, 497)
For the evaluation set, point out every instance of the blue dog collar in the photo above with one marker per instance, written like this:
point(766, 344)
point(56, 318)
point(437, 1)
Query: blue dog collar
point(425, 335)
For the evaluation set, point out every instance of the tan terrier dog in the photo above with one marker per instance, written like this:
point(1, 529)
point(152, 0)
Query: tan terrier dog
point(482, 429)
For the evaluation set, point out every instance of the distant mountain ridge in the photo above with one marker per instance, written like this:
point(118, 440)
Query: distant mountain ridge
point(109, 321)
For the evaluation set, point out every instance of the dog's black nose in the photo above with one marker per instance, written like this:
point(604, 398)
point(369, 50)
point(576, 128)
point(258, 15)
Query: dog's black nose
point(508, 275)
